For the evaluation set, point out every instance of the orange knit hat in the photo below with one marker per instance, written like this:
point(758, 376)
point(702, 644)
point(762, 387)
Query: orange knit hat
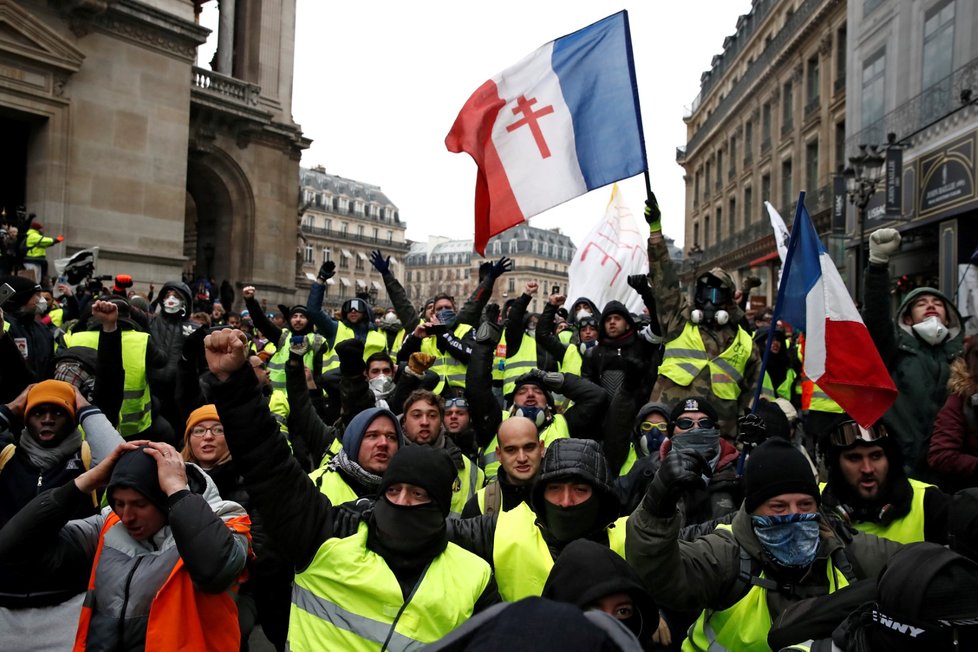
point(52, 392)
point(203, 413)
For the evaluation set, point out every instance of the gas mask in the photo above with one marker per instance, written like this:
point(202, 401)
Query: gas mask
point(931, 330)
point(538, 415)
point(172, 305)
point(708, 302)
point(41, 306)
point(709, 315)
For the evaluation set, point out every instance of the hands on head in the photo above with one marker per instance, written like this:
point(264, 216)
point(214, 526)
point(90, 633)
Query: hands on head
point(171, 470)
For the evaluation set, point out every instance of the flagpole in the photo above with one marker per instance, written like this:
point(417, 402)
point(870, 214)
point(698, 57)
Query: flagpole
point(778, 302)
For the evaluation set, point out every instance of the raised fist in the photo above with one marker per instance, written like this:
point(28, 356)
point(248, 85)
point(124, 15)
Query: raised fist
point(883, 243)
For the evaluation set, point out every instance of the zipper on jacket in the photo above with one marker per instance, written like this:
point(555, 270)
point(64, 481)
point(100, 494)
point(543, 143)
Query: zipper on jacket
point(40, 480)
point(125, 602)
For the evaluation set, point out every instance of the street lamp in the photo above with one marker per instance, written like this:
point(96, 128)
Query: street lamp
point(862, 178)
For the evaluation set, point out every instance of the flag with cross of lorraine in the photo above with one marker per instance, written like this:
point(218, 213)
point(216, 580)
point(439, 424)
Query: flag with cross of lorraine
point(563, 121)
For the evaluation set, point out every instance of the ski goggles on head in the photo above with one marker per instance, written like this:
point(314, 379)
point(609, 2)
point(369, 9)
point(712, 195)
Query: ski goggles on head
point(686, 423)
point(648, 426)
point(850, 432)
point(458, 402)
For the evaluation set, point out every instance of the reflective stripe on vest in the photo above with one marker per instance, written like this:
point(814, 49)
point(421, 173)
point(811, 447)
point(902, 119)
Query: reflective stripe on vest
point(348, 599)
point(446, 366)
point(136, 411)
point(686, 357)
point(907, 529)
point(521, 557)
point(470, 480)
point(519, 363)
point(784, 389)
point(556, 430)
point(819, 401)
point(276, 365)
point(744, 626)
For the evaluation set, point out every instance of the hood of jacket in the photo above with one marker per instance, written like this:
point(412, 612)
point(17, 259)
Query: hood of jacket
point(614, 308)
point(955, 332)
point(572, 317)
point(182, 289)
point(583, 459)
point(353, 435)
point(736, 314)
point(961, 381)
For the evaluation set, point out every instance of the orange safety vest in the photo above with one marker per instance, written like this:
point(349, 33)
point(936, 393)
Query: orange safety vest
point(181, 618)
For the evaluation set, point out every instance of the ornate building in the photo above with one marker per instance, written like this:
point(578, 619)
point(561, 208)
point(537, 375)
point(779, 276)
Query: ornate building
point(115, 138)
point(768, 122)
point(443, 265)
point(343, 221)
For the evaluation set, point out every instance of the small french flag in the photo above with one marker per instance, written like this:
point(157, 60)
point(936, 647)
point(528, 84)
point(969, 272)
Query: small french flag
point(839, 353)
point(561, 122)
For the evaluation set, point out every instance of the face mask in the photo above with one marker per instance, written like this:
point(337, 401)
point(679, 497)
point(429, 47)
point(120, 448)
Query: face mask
point(705, 441)
point(569, 523)
point(791, 540)
point(587, 345)
point(41, 306)
point(650, 442)
point(381, 386)
point(446, 316)
point(390, 322)
point(534, 413)
point(709, 314)
point(581, 314)
point(408, 530)
point(172, 305)
point(931, 330)
point(532, 332)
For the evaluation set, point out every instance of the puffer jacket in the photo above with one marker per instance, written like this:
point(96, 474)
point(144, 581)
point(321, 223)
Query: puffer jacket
point(953, 452)
point(919, 370)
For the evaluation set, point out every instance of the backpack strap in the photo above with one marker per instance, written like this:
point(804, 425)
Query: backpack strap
point(5, 455)
point(494, 498)
point(86, 458)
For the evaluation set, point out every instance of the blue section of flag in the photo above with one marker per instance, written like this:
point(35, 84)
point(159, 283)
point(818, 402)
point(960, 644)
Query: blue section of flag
point(802, 268)
point(596, 73)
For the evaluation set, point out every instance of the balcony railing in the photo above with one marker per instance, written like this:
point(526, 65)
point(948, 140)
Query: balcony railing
point(680, 155)
point(811, 109)
point(840, 84)
point(227, 94)
point(354, 237)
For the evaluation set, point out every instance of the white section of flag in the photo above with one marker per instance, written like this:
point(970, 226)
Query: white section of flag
point(781, 234)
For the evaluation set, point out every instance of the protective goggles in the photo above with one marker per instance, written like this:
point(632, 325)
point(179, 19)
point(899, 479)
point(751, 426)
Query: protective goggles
point(648, 426)
point(458, 402)
point(685, 423)
point(850, 432)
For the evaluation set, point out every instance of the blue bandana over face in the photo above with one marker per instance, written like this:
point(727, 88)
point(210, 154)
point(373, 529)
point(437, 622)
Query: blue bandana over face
point(790, 539)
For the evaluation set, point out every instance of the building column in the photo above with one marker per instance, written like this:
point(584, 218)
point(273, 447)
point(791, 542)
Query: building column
point(225, 37)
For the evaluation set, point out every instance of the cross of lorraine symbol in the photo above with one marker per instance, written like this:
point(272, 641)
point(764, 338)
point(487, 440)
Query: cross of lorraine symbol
point(531, 119)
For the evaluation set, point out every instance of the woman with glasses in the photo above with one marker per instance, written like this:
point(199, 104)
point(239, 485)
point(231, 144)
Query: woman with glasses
point(265, 597)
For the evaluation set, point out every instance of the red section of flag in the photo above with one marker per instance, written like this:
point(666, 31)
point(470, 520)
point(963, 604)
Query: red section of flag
point(855, 376)
point(496, 208)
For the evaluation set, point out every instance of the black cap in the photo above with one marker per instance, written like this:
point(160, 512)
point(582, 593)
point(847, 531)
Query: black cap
point(430, 468)
point(693, 404)
point(137, 470)
point(24, 289)
point(776, 467)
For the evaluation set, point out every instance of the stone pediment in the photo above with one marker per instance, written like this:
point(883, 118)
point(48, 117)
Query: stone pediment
point(23, 36)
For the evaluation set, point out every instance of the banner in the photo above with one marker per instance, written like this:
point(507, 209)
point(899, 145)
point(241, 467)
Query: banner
point(894, 182)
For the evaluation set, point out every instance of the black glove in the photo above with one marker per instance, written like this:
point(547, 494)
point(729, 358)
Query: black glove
point(749, 283)
point(193, 346)
point(488, 333)
point(381, 264)
point(492, 313)
point(500, 267)
point(639, 283)
point(327, 270)
point(350, 353)
point(484, 271)
point(678, 473)
point(751, 429)
point(347, 516)
point(652, 213)
point(552, 380)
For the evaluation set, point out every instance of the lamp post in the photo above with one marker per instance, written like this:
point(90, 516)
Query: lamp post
point(695, 256)
point(863, 176)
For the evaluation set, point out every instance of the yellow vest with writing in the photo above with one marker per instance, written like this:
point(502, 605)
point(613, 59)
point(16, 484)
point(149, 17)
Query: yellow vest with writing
point(686, 356)
point(446, 366)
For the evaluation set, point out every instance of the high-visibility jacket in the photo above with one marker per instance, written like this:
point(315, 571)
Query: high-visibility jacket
point(744, 626)
point(521, 557)
point(499, 360)
point(470, 479)
point(446, 366)
point(565, 336)
point(349, 599)
point(556, 430)
point(376, 341)
point(136, 413)
point(784, 389)
point(181, 617)
point(276, 364)
point(906, 529)
point(519, 363)
point(36, 243)
point(630, 460)
point(812, 396)
point(332, 485)
point(686, 356)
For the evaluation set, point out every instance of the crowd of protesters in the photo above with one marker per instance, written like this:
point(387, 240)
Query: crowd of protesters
point(180, 469)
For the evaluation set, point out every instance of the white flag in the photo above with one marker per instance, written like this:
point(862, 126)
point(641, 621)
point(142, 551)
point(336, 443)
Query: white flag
point(614, 249)
point(781, 235)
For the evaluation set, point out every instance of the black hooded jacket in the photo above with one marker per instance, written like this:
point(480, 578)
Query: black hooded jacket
point(628, 361)
point(167, 333)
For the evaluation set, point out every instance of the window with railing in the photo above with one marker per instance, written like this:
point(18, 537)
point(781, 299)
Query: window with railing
point(766, 188)
point(937, 61)
point(840, 146)
point(811, 165)
point(748, 206)
point(343, 204)
point(359, 263)
point(873, 86)
point(732, 215)
point(786, 188)
point(812, 85)
point(733, 156)
point(765, 126)
point(307, 255)
point(787, 107)
point(840, 59)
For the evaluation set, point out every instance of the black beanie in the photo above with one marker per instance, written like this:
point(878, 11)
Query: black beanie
point(693, 404)
point(23, 288)
point(430, 468)
point(774, 468)
point(137, 470)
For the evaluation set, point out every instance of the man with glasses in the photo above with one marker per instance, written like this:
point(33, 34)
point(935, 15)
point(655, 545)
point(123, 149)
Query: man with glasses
point(869, 488)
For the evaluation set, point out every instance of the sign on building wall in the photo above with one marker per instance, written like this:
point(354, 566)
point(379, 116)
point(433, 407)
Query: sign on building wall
point(894, 182)
point(947, 178)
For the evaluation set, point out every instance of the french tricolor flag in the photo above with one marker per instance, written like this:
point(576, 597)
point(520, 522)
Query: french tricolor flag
point(561, 122)
point(840, 356)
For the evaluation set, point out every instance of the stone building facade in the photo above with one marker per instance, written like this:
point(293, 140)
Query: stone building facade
point(769, 121)
point(117, 139)
point(343, 221)
point(443, 265)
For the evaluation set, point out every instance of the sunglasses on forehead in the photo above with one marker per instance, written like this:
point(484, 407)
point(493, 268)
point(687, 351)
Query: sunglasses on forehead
point(850, 432)
point(459, 402)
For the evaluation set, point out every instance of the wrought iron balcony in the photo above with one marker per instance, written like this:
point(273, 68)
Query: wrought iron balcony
point(811, 109)
point(354, 237)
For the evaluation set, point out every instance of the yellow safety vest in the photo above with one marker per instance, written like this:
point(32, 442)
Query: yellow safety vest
point(630, 460)
point(520, 363)
point(685, 357)
point(907, 529)
point(744, 626)
point(278, 405)
point(822, 402)
point(376, 341)
point(572, 361)
point(470, 479)
point(499, 360)
point(332, 485)
point(36, 243)
point(521, 557)
point(349, 599)
point(446, 366)
point(556, 430)
point(784, 389)
point(565, 336)
point(136, 412)
point(276, 364)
